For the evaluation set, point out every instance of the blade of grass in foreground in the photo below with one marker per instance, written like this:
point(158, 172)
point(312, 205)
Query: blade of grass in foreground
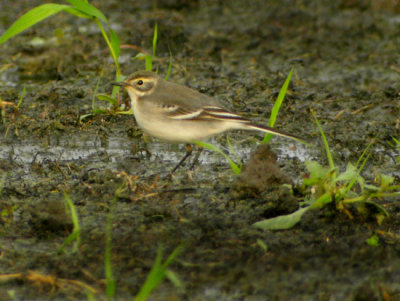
point(326, 145)
point(149, 58)
point(277, 106)
point(281, 222)
point(110, 281)
point(76, 232)
point(158, 272)
point(32, 17)
point(88, 9)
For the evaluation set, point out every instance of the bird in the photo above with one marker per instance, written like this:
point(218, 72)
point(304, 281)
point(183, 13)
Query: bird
point(178, 114)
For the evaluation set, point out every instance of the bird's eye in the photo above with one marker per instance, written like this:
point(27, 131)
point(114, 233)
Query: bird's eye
point(140, 82)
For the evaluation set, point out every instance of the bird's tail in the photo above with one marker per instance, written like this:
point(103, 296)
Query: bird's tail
point(266, 129)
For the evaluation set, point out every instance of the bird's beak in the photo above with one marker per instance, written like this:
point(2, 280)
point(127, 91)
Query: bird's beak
point(121, 84)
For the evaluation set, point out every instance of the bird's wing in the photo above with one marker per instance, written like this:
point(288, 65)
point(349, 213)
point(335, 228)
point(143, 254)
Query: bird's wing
point(183, 103)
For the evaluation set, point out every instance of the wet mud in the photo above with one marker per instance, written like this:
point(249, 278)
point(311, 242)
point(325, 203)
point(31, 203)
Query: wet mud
point(345, 56)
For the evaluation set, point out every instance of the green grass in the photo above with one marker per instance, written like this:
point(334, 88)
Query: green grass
point(327, 185)
point(110, 281)
point(78, 8)
point(158, 272)
point(75, 236)
point(397, 143)
point(277, 106)
point(81, 9)
point(149, 58)
point(112, 99)
point(236, 168)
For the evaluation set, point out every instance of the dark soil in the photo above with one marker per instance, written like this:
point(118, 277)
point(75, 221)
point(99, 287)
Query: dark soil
point(346, 60)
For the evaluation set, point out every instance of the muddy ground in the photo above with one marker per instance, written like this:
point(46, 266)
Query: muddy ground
point(346, 60)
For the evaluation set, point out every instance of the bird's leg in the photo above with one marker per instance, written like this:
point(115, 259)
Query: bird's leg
point(189, 150)
point(196, 158)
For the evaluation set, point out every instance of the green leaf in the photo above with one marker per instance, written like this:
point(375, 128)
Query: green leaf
point(317, 173)
point(379, 207)
point(129, 112)
point(360, 165)
point(281, 222)
point(32, 17)
point(316, 170)
point(105, 97)
point(139, 56)
point(77, 13)
point(277, 106)
point(236, 169)
point(89, 9)
point(232, 150)
point(174, 278)
point(157, 273)
point(385, 180)
point(82, 117)
point(325, 141)
point(115, 44)
point(155, 35)
point(2, 182)
point(322, 201)
point(262, 245)
point(149, 62)
point(169, 66)
point(22, 97)
point(110, 281)
point(75, 235)
point(348, 174)
point(373, 240)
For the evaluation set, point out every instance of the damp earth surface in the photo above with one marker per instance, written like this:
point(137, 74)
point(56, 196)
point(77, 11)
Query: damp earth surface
point(345, 56)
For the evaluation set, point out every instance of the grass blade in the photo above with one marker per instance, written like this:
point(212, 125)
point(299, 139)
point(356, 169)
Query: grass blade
point(325, 141)
point(155, 36)
point(232, 150)
point(110, 281)
point(169, 66)
point(281, 222)
point(21, 98)
point(89, 9)
point(2, 182)
point(115, 44)
point(32, 17)
point(110, 46)
point(277, 105)
point(236, 169)
point(107, 98)
point(76, 232)
point(349, 185)
point(157, 273)
point(149, 62)
point(365, 152)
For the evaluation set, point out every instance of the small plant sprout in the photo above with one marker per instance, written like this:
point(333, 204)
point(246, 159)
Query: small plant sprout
point(235, 167)
point(149, 58)
point(78, 8)
point(158, 272)
point(373, 240)
point(397, 142)
point(110, 281)
point(277, 105)
point(112, 99)
point(326, 185)
point(81, 9)
point(75, 236)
